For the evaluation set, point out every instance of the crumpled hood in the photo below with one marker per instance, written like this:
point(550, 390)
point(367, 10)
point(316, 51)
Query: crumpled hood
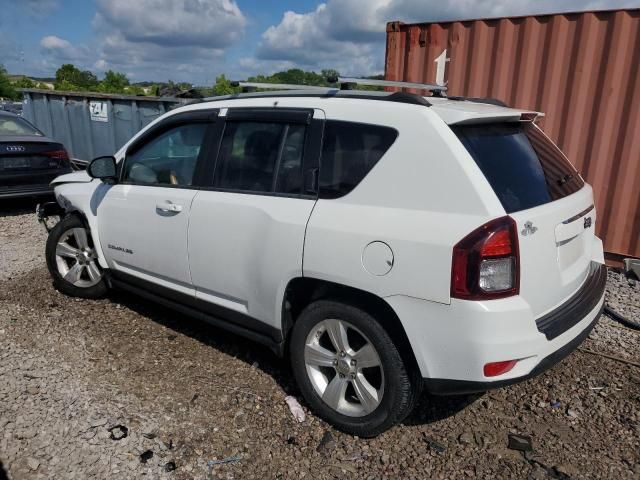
point(76, 177)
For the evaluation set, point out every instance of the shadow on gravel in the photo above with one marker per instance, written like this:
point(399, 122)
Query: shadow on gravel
point(21, 206)
point(432, 408)
point(233, 345)
point(3, 473)
point(429, 408)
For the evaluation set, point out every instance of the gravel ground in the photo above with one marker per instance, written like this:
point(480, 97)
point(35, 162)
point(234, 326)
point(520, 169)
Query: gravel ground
point(623, 294)
point(73, 371)
point(17, 223)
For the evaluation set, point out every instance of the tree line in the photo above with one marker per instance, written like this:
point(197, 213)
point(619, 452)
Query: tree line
point(69, 78)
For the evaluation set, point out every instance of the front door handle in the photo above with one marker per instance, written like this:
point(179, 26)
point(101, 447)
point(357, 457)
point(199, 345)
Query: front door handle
point(169, 207)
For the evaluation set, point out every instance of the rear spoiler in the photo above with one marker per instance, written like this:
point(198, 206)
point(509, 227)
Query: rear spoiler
point(474, 112)
point(509, 115)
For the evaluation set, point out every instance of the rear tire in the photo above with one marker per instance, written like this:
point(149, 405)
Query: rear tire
point(349, 370)
point(72, 261)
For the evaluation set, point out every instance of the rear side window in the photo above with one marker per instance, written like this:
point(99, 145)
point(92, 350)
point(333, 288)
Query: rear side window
point(261, 157)
point(525, 169)
point(349, 152)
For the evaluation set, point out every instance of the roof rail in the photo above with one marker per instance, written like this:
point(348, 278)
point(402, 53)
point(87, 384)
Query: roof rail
point(247, 86)
point(345, 81)
point(345, 91)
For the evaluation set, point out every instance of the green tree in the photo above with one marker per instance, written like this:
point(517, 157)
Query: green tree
point(25, 82)
point(135, 90)
point(329, 73)
point(66, 86)
point(297, 77)
point(87, 80)
point(223, 86)
point(113, 82)
point(69, 77)
point(6, 88)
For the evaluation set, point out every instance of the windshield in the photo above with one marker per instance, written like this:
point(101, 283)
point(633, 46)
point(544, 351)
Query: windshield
point(525, 168)
point(17, 126)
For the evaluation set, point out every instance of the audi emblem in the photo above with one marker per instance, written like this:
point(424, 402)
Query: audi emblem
point(15, 148)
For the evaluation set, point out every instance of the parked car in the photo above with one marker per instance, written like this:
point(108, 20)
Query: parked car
point(384, 242)
point(13, 107)
point(28, 159)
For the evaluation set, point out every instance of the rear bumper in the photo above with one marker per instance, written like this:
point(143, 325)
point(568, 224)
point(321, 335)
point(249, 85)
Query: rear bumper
point(26, 191)
point(558, 321)
point(29, 183)
point(452, 343)
point(440, 386)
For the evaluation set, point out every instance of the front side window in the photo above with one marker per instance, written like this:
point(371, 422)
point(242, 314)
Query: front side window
point(349, 152)
point(261, 157)
point(169, 159)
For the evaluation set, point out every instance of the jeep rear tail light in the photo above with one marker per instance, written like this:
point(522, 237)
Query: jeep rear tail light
point(486, 262)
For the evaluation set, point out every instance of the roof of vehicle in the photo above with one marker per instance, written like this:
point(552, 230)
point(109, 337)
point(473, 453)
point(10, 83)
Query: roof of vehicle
point(455, 110)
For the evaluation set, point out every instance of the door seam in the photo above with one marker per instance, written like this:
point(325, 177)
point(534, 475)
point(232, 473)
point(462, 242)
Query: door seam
point(189, 243)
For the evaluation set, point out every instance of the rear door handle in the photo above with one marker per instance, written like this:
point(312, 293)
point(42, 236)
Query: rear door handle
point(169, 206)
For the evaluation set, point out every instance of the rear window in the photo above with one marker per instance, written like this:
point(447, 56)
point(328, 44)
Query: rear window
point(525, 169)
point(349, 152)
point(16, 126)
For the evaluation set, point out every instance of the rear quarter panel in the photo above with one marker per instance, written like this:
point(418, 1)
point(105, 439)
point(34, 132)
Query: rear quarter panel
point(420, 199)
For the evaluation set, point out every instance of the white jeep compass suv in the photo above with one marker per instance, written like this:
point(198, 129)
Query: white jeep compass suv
point(384, 242)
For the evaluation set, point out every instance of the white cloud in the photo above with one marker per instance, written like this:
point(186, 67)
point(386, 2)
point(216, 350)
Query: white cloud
point(54, 43)
point(163, 39)
point(430, 10)
point(62, 49)
point(182, 40)
point(318, 39)
point(206, 23)
point(152, 61)
point(348, 35)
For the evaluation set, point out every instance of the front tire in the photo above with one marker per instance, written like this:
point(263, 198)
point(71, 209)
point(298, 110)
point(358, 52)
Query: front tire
point(349, 370)
point(72, 260)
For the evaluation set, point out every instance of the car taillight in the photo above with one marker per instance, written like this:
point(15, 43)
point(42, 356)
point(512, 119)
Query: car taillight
point(60, 154)
point(486, 262)
point(498, 368)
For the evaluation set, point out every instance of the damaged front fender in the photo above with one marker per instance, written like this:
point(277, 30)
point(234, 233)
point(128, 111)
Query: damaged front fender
point(80, 176)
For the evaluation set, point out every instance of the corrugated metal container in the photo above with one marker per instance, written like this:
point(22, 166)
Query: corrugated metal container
point(581, 69)
point(92, 124)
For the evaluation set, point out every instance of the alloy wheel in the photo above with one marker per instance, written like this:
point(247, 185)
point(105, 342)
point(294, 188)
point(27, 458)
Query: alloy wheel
point(76, 260)
point(344, 368)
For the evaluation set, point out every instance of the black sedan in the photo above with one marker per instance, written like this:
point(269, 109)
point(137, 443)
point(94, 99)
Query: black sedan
point(28, 159)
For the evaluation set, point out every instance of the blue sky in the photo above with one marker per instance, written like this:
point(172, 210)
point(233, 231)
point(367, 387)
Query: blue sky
point(195, 40)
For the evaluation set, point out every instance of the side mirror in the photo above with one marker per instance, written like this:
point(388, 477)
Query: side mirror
point(103, 168)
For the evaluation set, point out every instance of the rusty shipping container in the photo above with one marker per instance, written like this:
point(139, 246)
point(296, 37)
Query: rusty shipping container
point(580, 69)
